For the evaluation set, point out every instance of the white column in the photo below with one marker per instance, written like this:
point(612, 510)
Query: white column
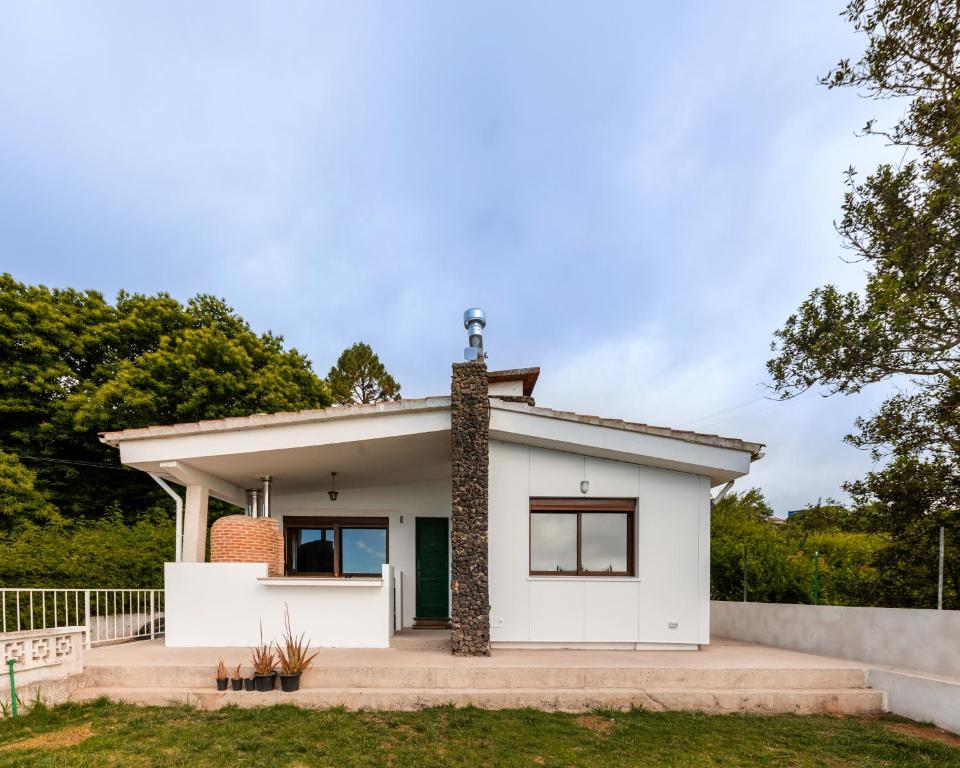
point(195, 523)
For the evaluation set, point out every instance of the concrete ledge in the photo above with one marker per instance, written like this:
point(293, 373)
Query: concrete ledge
point(920, 697)
point(757, 701)
point(292, 581)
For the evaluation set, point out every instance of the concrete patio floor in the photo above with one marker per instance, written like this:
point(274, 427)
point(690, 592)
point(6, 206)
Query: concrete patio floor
point(419, 671)
point(426, 648)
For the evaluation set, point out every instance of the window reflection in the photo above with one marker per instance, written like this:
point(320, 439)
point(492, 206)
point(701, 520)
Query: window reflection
point(362, 550)
point(604, 545)
point(553, 542)
point(313, 550)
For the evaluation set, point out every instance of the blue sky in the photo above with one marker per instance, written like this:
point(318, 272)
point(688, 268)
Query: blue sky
point(637, 194)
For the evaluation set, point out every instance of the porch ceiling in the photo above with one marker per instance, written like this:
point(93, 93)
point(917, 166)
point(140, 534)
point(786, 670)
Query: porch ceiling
point(357, 464)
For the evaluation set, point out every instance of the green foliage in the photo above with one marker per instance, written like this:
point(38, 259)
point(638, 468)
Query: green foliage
point(19, 498)
point(780, 555)
point(360, 377)
point(912, 498)
point(72, 364)
point(902, 223)
point(79, 554)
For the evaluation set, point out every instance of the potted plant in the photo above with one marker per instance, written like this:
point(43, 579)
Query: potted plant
point(236, 681)
point(264, 665)
point(221, 676)
point(249, 683)
point(293, 655)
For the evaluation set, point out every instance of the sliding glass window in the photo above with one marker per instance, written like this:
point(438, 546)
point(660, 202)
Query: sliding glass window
point(582, 537)
point(335, 546)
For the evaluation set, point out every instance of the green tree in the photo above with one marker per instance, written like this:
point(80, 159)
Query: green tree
point(360, 377)
point(908, 501)
point(71, 365)
point(743, 529)
point(19, 498)
point(822, 517)
point(902, 224)
point(780, 554)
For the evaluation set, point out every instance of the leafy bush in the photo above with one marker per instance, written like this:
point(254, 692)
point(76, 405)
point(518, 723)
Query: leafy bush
point(103, 553)
point(780, 556)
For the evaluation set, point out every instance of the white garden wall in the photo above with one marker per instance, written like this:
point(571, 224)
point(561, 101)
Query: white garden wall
point(917, 651)
point(909, 638)
point(672, 555)
point(222, 605)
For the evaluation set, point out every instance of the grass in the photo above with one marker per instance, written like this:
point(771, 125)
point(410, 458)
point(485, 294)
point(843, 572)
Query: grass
point(108, 734)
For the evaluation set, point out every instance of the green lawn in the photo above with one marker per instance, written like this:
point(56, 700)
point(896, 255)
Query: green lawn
point(105, 734)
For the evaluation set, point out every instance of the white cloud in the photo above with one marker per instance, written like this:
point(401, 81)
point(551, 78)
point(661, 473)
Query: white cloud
point(647, 379)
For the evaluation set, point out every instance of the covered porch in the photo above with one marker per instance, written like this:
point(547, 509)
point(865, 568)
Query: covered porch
point(355, 556)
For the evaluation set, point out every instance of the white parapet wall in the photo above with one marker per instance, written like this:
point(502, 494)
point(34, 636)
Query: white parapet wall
point(222, 605)
point(909, 638)
point(916, 651)
point(45, 661)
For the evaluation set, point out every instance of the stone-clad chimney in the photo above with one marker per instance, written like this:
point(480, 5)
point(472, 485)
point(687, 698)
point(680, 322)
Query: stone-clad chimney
point(470, 435)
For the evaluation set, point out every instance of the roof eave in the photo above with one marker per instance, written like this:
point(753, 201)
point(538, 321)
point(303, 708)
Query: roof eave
point(266, 420)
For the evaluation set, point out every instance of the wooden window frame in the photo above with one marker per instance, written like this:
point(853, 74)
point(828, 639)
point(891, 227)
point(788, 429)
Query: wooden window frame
point(337, 522)
point(580, 507)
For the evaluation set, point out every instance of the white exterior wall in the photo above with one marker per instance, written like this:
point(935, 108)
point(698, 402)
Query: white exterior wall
point(429, 498)
point(672, 555)
point(222, 605)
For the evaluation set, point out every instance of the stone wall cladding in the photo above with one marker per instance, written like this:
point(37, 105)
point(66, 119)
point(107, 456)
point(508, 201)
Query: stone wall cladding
point(242, 539)
point(470, 453)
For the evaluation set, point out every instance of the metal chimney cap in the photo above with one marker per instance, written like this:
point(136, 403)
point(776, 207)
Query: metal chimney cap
point(474, 315)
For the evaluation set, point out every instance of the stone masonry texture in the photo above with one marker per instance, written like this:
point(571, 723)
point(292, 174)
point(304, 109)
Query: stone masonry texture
point(470, 435)
point(242, 539)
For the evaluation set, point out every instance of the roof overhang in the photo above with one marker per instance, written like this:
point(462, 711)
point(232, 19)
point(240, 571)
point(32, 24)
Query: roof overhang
point(399, 442)
point(721, 462)
point(367, 445)
point(526, 376)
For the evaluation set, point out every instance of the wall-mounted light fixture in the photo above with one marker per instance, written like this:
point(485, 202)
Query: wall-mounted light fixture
point(333, 492)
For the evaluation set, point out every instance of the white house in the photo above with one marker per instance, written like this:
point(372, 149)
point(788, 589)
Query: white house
point(512, 523)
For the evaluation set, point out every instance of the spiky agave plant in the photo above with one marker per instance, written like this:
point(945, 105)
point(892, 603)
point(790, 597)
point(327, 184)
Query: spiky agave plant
point(221, 670)
point(262, 657)
point(293, 656)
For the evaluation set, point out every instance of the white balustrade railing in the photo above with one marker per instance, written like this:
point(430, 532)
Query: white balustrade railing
point(105, 615)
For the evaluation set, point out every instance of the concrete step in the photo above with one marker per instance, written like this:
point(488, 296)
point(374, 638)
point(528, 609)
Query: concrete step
point(847, 701)
point(421, 640)
point(473, 677)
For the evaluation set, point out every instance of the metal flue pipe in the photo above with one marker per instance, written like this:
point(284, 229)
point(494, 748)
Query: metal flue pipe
point(265, 501)
point(253, 502)
point(474, 320)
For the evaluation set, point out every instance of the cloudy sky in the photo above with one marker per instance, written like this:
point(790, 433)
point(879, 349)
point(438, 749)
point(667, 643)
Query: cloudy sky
point(638, 194)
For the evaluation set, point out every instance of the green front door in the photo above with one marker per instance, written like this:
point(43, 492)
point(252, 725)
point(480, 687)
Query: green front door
point(433, 574)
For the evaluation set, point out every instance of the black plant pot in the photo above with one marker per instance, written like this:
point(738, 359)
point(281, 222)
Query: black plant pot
point(290, 683)
point(221, 684)
point(236, 683)
point(265, 682)
point(249, 684)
